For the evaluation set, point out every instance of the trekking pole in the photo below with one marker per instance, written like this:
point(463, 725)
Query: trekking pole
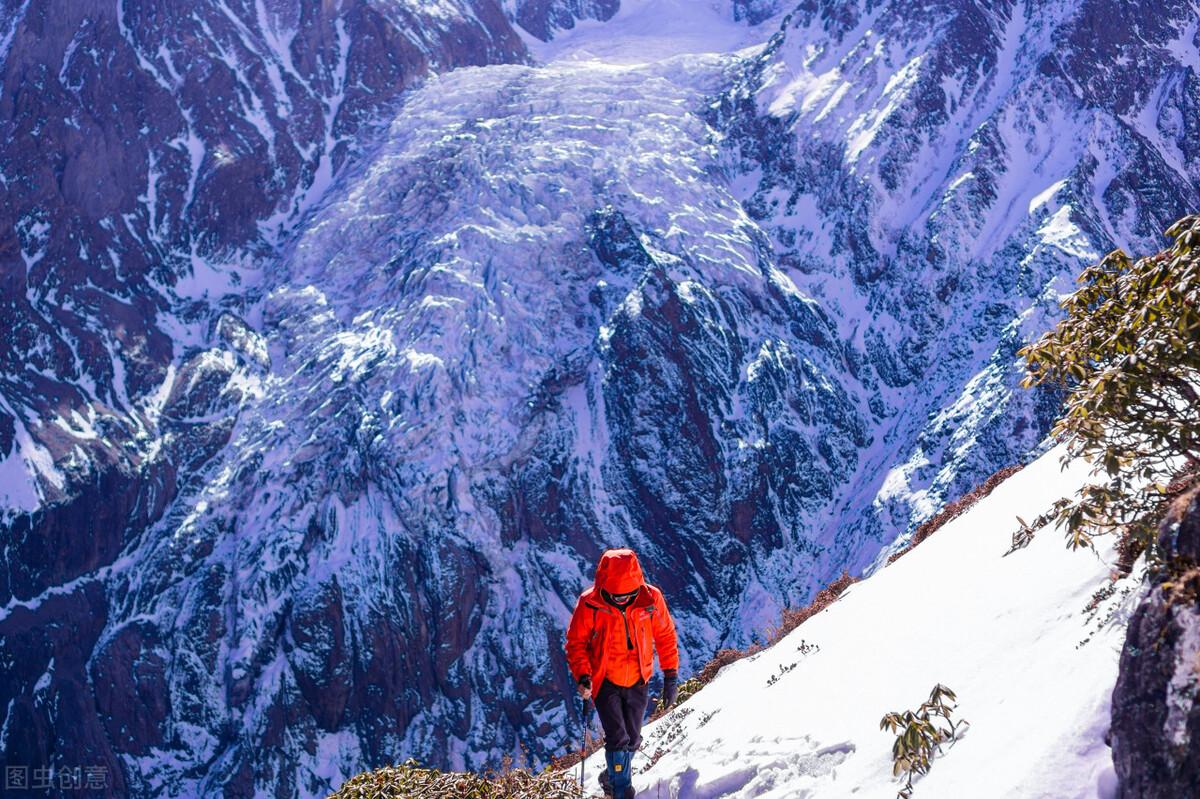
point(587, 723)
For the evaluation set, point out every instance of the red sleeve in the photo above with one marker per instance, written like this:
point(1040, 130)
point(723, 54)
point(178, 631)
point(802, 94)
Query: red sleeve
point(665, 642)
point(578, 634)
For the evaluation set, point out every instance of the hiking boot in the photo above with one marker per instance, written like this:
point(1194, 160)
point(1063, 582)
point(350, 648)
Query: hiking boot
point(606, 785)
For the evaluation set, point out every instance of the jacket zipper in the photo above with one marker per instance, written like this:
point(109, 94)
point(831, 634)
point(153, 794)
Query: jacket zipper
point(628, 640)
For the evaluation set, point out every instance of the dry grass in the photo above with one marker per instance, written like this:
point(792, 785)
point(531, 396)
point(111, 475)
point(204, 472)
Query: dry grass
point(957, 508)
point(410, 781)
point(571, 759)
point(720, 660)
point(794, 617)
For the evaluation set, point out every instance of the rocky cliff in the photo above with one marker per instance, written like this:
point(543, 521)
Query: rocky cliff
point(1155, 716)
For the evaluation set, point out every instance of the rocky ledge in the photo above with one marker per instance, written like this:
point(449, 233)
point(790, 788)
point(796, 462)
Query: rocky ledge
point(1156, 719)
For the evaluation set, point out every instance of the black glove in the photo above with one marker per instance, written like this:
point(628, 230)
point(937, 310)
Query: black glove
point(585, 681)
point(670, 687)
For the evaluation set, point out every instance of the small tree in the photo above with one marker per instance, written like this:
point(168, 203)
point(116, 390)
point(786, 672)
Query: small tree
point(1128, 352)
point(920, 735)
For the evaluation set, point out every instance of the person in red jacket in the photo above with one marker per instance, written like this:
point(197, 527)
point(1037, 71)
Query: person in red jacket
point(617, 626)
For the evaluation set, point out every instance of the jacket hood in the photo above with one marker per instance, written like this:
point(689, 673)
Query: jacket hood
point(619, 572)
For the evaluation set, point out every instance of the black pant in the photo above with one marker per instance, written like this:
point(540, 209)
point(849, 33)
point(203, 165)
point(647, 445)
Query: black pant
point(622, 711)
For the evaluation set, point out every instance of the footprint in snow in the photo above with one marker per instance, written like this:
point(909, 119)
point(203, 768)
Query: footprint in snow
point(759, 776)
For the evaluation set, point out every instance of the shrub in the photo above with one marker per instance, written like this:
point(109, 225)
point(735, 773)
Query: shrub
point(1128, 351)
point(592, 742)
point(920, 735)
point(709, 670)
point(1131, 546)
point(1024, 534)
point(410, 780)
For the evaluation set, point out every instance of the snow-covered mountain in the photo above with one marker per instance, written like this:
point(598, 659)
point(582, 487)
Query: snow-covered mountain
point(328, 377)
point(930, 175)
point(1029, 642)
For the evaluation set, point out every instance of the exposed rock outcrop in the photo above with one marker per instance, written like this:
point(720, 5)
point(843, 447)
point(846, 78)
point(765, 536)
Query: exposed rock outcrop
point(544, 18)
point(1156, 702)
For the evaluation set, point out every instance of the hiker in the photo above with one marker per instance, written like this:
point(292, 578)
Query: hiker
point(617, 625)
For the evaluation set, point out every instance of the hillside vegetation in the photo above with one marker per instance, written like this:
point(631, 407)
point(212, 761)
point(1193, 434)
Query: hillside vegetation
point(410, 781)
point(1128, 351)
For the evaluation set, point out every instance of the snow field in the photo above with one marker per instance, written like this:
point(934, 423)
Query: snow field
point(1004, 633)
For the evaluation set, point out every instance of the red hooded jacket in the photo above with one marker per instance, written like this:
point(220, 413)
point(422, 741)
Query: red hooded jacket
point(604, 642)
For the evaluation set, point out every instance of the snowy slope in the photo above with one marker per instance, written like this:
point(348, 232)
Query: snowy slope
point(1004, 633)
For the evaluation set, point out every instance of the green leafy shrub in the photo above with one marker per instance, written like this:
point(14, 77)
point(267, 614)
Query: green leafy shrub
point(920, 735)
point(409, 780)
point(1128, 352)
point(1023, 537)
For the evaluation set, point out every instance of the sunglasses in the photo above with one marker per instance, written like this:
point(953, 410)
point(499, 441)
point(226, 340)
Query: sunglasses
point(621, 599)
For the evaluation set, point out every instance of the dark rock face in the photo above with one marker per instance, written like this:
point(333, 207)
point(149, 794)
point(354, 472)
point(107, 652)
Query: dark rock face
point(908, 218)
point(1156, 702)
point(543, 18)
point(53, 719)
point(695, 346)
point(755, 12)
